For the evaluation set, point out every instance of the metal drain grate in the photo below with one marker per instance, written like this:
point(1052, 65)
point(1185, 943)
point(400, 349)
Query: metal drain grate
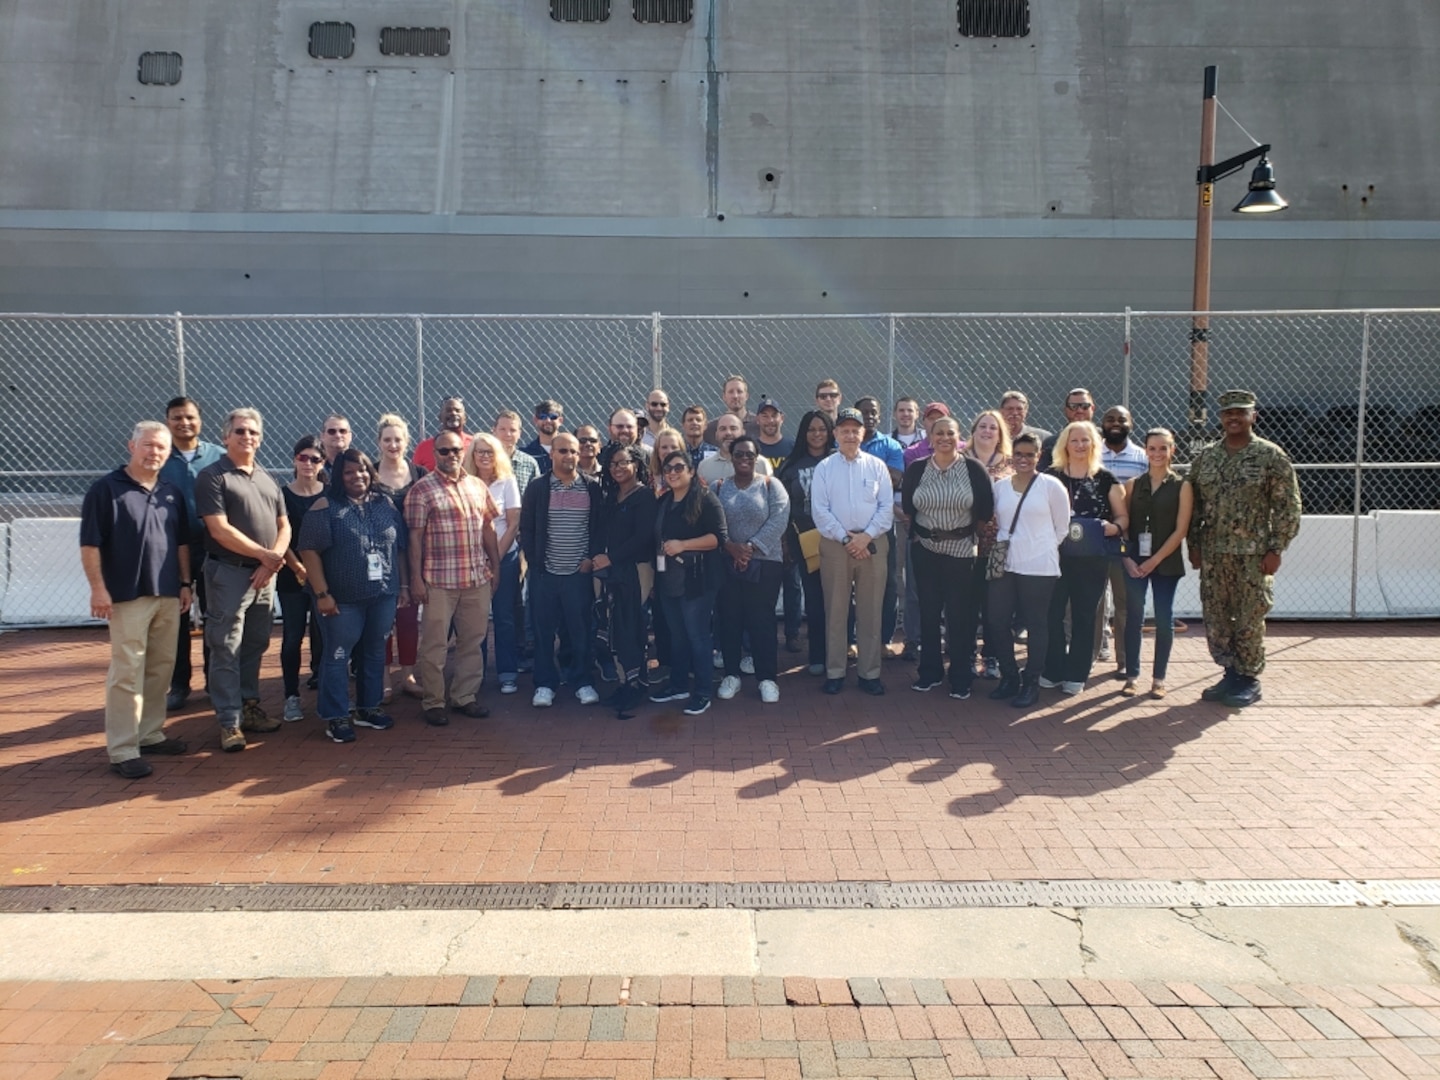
point(755, 896)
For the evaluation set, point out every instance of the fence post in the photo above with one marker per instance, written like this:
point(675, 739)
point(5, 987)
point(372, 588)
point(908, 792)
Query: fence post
point(1125, 356)
point(656, 365)
point(890, 359)
point(180, 350)
point(1359, 470)
point(420, 376)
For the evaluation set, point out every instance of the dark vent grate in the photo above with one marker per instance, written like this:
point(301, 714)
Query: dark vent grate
point(415, 41)
point(332, 40)
point(994, 18)
point(160, 68)
point(579, 10)
point(663, 11)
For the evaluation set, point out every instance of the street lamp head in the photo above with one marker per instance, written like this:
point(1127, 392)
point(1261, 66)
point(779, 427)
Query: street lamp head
point(1262, 198)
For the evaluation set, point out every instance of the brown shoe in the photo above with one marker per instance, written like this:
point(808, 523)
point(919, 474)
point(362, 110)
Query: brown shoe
point(1129, 689)
point(231, 739)
point(254, 718)
point(435, 717)
point(473, 709)
point(1157, 689)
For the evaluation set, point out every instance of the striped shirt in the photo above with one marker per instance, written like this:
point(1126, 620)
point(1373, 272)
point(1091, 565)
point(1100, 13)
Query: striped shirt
point(942, 501)
point(568, 526)
point(453, 514)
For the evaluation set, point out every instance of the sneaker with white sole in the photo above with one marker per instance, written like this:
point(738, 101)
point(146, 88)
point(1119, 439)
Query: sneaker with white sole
point(718, 660)
point(587, 695)
point(1048, 684)
point(729, 687)
point(747, 665)
point(769, 692)
point(509, 686)
point(293, 709)
point(544, 698)
point(1072, 688)
point(668, 692)
point(697, 704)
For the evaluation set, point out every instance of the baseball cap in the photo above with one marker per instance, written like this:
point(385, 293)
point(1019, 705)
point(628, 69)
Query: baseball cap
point(849, 414)
point(767, 402)
point(936, 406)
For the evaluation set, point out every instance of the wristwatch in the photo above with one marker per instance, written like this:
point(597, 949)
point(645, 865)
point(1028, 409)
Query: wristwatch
point(322, 595)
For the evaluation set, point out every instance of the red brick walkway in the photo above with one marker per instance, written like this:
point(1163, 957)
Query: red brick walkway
point(638, 1029)
point(1335, 774)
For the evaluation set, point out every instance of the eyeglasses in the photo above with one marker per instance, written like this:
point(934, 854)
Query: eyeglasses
point(547, 416)
point(446, 451)
point(829, 394)
point(484, 453)
point(743, 455)
point(308, 460)
point(676, 467)
point(1023, 454)
point(337, 431)
point(589, 442)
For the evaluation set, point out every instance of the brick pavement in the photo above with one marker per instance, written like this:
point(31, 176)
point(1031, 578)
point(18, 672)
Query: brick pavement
point(1335, 775)
point(652, 1027)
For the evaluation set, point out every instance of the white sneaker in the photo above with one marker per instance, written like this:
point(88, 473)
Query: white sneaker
point(747, 665)
point(1105, 653)
point(1072, 688)
point(769, 692)
point(293, 709)
point(587, 695)
point(509, 686)
point(1048, 684)
point(544, 698)
point(729, 687)
point(718, 659)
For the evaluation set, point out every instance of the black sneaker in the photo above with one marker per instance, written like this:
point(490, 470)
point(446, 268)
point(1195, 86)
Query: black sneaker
point(697, 704)
point(340, 731)
point(873, 687)
point(165, 748)
point(668, 693)
point(924, 686)
point(373, 718)
point(960, 693)
point(132, 768)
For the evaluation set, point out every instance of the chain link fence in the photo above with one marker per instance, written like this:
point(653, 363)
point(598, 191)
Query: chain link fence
point(1354, 396)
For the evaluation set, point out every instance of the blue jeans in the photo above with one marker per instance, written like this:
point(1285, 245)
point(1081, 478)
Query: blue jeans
point(503, 605)
point(561, 600)
point(358, 630)
point(691, 646)
point(1164, 622)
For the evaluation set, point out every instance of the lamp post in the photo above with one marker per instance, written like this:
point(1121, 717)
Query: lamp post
point(1261, 198)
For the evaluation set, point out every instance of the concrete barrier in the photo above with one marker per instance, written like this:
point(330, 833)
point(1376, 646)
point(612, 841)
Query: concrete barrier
point(46, 582)
point(4, 562)
point(1409, 561)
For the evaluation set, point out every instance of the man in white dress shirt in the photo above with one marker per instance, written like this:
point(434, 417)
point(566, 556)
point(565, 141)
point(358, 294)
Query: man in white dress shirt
point(852, 501)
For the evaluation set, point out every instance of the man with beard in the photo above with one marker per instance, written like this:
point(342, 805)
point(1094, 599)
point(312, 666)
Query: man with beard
point(718, 465)
point(625, 425)
point(549, 418)
point(454, 557)
point(452, 418)
point(1079, 405)
point(1126, 460)
point(1247, 510)
point(657, 408)
point(736, 394)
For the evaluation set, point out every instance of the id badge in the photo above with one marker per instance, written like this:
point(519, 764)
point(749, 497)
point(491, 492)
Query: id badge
point(1145, 545)
point(373, 568)
point(660, 564)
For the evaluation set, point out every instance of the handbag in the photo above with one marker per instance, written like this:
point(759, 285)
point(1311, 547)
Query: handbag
point(1000, 550)
point(809, 542)
point(1086, 536)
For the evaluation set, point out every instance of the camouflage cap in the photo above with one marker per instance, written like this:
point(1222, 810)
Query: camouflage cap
point(1237, 399)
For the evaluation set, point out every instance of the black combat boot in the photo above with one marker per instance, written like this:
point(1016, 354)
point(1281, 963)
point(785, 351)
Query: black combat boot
point(1008, 688)
point(1029, 694)
point(1221, 688)
point(1245, 690)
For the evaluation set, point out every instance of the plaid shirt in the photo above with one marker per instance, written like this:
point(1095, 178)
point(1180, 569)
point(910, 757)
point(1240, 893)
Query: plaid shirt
point(453, 514)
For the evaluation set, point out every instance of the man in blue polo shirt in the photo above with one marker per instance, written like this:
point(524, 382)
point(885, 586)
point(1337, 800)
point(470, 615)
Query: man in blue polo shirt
point(134, 547)
point(188, 455)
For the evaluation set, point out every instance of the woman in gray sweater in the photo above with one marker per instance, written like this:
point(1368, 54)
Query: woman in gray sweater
point(757, 511)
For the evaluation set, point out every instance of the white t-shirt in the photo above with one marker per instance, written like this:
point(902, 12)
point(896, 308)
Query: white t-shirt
point(1044, 520)
point(506, 494)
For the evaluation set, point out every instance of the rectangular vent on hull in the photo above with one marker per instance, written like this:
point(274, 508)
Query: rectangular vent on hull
point(415, 41)
point(160, 68)
point(332, 40)
point(994, 18)
point(663, 11)
point(579, 10)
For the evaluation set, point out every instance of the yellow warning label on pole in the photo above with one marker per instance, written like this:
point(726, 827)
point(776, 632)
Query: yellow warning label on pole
point(1205, 192)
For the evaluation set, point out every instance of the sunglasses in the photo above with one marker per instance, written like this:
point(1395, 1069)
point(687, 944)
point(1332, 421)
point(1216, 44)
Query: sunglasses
point(743, 455)
point(590, 442)
point(249, 433)
point(676, 467)
point(308, 460)
point(659, 405)
point(446, 451)
point(337, 431)
point(1079, 405)
point(829, 394)
point(547, 416)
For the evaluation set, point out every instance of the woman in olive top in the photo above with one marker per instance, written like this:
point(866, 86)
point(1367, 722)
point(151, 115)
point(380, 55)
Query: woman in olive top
point(1160, 502)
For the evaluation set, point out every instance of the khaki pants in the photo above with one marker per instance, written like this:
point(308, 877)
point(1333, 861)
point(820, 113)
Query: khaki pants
point(838, 573)
point(469, 609)
point(142, 656)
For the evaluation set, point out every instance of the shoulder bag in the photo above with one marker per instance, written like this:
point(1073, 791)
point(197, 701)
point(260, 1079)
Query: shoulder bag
point(1000, 550)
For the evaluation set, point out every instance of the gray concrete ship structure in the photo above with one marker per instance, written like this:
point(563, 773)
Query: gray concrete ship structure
point(825, 156)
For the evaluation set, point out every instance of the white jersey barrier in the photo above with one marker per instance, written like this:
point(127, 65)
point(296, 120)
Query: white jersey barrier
point(1398, 576)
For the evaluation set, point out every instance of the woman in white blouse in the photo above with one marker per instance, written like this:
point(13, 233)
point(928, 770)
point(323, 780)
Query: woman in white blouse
point(1032, 567)
point(488, 460)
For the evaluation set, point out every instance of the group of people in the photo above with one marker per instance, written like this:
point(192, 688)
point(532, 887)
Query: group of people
point(584, 554)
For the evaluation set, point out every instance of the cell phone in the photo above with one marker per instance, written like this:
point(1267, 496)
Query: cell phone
point(870, 547)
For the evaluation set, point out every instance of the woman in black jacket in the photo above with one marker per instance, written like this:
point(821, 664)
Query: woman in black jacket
point(625, 567)
point(814, 442)
point(689, 530)
point(946, 495)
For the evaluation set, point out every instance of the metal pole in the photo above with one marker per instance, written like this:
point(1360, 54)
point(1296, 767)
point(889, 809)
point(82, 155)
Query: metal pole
point(656, 367)
point(1200, 300)
point(1359, 468)
point(1125, 353)
point(420, 377)
point(890, 359)
point(180, 350)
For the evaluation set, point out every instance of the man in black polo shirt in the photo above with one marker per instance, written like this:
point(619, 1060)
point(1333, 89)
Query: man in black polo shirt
point(134, 547)
point(247, 533)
